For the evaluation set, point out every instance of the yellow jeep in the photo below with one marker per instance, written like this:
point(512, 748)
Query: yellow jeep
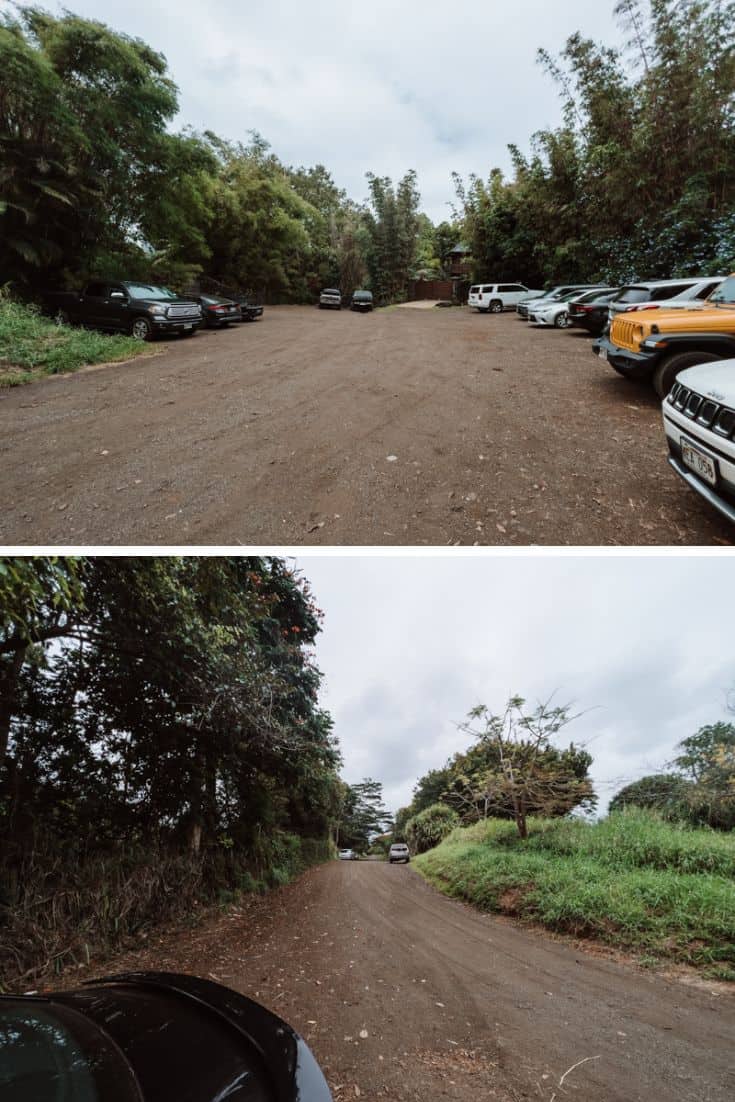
point(657, 346)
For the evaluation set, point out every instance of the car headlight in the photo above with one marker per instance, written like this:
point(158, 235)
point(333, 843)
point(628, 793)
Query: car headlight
point(157, 309)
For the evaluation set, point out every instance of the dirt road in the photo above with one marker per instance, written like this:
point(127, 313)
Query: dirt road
point(308, 427)
point(404, 994)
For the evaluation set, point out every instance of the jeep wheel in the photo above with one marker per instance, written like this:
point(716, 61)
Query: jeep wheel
point(141, 329)
point(561, 321)
point(496, 306)
point(665, 374)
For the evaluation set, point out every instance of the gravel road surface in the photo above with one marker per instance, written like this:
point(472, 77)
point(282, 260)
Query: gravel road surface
point(316, 427)
point(404, 994)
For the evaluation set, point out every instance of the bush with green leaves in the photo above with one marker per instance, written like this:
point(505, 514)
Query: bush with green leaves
point(429, 827)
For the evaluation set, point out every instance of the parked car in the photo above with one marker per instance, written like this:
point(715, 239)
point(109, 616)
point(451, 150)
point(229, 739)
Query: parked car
point(399, 852)
point(347, 855)
point(218, 312)
point(144, 310)
point(699, 422)
point(556, 313)
point(493, 298)
point(662, 294)
point(152, 1037)
point(656, 346)
point(552, 295)
point(362, 300)
point(590, 312)
point(330, 299)
point(249, 311)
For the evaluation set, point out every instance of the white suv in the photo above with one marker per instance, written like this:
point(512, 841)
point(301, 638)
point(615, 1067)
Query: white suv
point(493, 298)
point(399, 852)
point(699, 420)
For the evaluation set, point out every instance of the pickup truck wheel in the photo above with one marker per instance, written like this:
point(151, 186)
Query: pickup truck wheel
point(561, 321)
point(665, 374)
point(141, 329)
point(496, 306)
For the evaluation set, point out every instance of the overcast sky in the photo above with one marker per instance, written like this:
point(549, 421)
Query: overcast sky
point(378, 87)
point(411, 644)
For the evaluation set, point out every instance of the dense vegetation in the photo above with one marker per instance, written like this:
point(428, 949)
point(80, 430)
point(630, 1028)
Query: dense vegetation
point(161, 745)
point(637, 181)
point(31, 345)
point(93, 182)
point(663, 891)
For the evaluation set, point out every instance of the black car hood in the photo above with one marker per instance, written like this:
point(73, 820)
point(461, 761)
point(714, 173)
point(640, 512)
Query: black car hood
point(289, 1060)
point(178, 301)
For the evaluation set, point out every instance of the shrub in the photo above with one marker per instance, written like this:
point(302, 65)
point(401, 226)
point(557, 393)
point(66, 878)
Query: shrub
point(429, 827)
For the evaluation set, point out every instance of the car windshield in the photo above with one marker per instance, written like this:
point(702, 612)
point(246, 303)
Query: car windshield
point(725, 293)
point(330, 291)
point(149, 290)
point(363, 296)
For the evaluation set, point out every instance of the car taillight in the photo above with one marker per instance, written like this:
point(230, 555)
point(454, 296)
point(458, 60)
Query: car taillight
point(219, 307)
point(651, 307)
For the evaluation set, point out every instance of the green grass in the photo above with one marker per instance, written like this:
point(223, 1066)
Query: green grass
point(664, 892)
point(32, 346)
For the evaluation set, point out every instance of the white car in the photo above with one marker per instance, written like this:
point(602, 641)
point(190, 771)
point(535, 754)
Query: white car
point(556, 294)
point(330, 299)
point(347, 855)
point(399, 852)
point(556, 313)
point(699, 421)
point(493, 298)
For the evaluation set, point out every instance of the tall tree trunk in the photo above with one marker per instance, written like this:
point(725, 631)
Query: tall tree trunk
point(8, 692)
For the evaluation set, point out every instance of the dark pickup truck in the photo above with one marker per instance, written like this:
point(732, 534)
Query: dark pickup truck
point(142, 309)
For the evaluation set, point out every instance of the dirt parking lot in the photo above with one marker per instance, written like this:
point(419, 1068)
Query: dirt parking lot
point(308, 427)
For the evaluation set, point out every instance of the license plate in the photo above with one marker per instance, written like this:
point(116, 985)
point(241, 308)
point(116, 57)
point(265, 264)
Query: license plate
point(698, 462)
point(603, 354)
point(188, 327)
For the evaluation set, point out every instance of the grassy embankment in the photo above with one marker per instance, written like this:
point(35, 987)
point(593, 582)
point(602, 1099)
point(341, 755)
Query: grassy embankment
point(662, 892)
point(32, 346)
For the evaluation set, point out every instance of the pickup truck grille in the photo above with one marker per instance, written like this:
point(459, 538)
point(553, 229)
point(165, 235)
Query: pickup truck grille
point(711, 415)
point(183, 312)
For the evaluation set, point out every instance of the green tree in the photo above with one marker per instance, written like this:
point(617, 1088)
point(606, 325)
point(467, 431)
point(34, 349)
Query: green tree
point(361, 815)
point(430, 826)
point(392, 224)
point(528, 774)
point(663, 792)
point(83, 117)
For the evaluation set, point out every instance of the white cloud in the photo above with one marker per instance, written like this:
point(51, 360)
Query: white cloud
point(641, 646)
point(378, 87)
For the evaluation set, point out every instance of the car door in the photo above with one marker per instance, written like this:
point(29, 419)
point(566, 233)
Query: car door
point(93, 304)
point(512, 293)
point(488, 292)
point(117, 307)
